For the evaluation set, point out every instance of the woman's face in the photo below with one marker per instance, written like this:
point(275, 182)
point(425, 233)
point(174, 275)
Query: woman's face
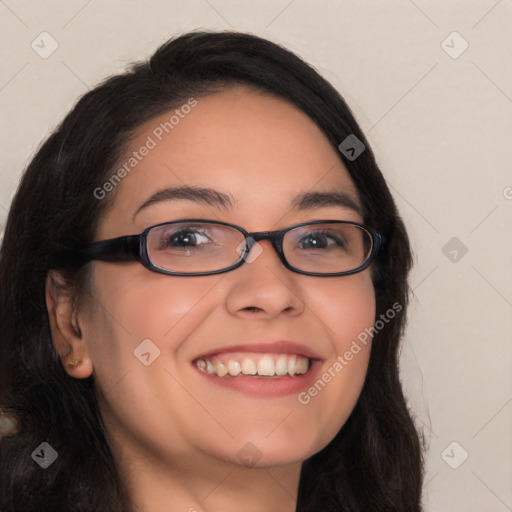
point(257, 155)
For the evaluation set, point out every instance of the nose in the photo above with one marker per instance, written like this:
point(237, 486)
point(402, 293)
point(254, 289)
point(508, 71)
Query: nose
point(263, 286)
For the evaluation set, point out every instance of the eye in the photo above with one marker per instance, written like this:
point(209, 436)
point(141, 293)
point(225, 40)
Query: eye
point(185, 238)
point(320, 240)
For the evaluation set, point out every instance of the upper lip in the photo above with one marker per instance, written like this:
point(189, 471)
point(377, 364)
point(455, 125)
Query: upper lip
point(265, 347)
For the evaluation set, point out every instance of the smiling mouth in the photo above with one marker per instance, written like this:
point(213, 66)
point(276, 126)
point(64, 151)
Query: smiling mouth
point(255, 365)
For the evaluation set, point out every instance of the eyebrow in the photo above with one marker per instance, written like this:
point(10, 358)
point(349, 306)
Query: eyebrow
point(211, 197)
point(310, 200)
point(207, 196)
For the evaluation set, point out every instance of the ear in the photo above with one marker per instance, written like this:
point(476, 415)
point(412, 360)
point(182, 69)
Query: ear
point(65, 327)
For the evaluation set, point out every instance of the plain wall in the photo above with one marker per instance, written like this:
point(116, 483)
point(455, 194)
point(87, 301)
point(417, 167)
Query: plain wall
point(440, 126)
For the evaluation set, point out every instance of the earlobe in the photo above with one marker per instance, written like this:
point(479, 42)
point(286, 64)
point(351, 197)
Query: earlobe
point(78, 368)
point(65, 327)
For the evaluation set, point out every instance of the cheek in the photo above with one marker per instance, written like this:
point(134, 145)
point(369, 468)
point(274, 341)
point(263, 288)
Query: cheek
point(347, 310)
point(346, 306)
point(140, 313)
point(145, 304)
point(138, 323)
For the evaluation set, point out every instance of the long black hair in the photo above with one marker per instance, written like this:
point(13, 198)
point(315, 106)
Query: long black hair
point(375, 463)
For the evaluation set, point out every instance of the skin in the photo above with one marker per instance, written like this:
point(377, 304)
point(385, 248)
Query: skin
point(175, 436)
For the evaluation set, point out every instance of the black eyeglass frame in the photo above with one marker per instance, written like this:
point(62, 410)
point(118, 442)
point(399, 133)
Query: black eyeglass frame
point(134, 248)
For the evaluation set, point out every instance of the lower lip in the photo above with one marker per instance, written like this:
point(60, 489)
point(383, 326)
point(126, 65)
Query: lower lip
point(268, 387)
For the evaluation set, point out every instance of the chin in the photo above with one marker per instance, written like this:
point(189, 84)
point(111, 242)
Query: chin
point(260, 451)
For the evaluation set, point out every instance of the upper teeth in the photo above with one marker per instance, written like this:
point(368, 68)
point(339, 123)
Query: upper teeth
point(264, 365)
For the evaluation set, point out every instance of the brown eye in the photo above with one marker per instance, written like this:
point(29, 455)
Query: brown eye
point(185, 238)
point(320, 240)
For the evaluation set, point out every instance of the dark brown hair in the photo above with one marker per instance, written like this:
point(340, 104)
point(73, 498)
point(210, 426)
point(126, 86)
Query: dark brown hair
point(375, 463)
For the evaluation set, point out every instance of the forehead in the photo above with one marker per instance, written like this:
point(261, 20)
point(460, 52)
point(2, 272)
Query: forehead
point(258, 148)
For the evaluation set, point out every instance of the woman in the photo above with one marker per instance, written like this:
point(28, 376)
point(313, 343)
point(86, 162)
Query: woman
point(204, 284)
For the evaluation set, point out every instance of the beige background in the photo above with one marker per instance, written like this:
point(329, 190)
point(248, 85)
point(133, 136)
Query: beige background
point(441, 128)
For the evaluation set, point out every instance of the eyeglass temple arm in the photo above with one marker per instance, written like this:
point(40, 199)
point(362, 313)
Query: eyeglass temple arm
point(125, 248)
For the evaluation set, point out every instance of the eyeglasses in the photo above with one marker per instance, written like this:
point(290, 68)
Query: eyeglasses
point(196, 247)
